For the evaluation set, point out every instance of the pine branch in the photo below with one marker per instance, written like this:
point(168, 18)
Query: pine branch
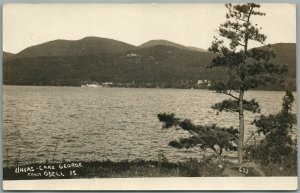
point(207, 136)
point(246, 142)
point(229, 94)
point(233, 106)
point(241, 44)
point(242, 19)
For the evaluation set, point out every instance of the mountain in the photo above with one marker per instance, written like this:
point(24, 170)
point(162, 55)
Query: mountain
point(7, 55)
point(286, 54)
point(83, 47)
point(164, 65)
point(143, 66)
point(196, 49)
point(168, 43)
point(162, 43)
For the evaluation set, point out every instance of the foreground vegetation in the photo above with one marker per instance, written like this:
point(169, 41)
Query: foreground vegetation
point(140, 168)
point(276, 153)
point(110, 169)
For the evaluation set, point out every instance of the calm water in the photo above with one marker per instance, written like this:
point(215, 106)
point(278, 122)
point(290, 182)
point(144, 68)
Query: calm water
point(108, 123)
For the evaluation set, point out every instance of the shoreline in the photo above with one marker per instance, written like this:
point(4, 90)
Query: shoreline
point(4, 85)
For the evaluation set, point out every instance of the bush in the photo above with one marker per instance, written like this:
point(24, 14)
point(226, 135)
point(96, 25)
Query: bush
point(277, 152)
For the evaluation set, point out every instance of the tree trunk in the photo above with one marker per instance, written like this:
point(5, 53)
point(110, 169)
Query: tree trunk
point(241, 127)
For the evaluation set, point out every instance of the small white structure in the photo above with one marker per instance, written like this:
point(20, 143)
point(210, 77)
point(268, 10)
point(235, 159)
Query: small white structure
point(132, 55)
point(199, 82)
point(107, 83)
point(203, 82)
point(91, 85)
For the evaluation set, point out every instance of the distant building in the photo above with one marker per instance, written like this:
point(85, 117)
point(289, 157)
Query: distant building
point(107, 83)
point(91, 85)
point(200, 82)
point(203, 82)
point(132, 55)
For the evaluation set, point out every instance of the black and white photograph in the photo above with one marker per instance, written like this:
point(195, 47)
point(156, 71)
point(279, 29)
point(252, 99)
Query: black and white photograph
point(159, 96)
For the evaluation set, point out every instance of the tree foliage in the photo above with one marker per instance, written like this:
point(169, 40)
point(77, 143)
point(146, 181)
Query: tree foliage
point(247, 68)
point(277, 127)
point(203, 136)
point(233, 106)
point(278, 144)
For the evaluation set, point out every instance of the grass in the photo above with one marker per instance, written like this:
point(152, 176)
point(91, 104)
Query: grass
point(122, 169)
point(135, 168)
point(274, 166)
point(288, 168)
point(279, 170)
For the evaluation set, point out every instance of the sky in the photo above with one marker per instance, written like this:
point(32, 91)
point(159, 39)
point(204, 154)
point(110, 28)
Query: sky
point(26, 25)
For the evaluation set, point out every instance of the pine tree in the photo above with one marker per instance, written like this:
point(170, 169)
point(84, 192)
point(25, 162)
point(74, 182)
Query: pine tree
point(247, 68)
point(277, 128)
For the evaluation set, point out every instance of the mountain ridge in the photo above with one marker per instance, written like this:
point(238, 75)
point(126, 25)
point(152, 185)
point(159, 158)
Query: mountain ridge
point(155, 65)
point(81, 47)
point(7, 55)
point(86, 46)
point(156, 42)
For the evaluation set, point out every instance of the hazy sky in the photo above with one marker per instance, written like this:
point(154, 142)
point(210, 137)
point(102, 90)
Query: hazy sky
point(25, 25)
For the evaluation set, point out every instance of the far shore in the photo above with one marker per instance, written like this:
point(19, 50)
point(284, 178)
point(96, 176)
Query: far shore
point(180, 88)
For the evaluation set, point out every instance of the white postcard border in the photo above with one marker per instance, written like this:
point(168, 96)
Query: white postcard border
point(167, 183)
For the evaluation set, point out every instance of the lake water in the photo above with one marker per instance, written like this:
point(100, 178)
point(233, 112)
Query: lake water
point(108, 123)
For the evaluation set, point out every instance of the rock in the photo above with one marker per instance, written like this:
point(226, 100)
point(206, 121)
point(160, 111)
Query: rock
point(244, 169)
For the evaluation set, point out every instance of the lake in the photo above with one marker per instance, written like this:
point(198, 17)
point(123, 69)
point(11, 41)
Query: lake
point(109, 123)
